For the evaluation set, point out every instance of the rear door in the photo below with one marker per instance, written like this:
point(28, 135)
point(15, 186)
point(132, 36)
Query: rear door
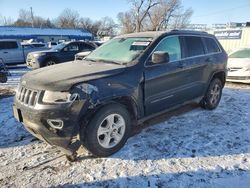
point(165, 82)
point(194, 65)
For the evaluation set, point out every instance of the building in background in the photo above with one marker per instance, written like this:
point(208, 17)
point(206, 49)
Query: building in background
point(232, 39)
point(231, 35)
point(43, 34)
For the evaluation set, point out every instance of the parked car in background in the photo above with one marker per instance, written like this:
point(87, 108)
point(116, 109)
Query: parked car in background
point(128, 80)
point(82, 55)
point(27, 48)
point(63, 52)
point(12, 52)
point(239, 66)
point(99, 43)
point(52, 44)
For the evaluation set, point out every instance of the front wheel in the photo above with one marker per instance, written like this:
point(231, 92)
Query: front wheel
point(213, 95)
point(50, 62)
point(108, 130)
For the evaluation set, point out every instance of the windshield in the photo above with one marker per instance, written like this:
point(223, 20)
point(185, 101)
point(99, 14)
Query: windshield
point(120, 50)
point(241, 54)
point(59, 46)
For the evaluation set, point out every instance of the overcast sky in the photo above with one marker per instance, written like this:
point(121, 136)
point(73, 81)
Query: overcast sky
point(209, 11)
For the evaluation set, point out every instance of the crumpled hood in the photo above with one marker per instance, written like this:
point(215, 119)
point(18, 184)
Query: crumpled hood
point(61, 77)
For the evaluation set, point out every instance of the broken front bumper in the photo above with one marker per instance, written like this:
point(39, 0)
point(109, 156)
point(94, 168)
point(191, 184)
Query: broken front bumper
point(36, 122)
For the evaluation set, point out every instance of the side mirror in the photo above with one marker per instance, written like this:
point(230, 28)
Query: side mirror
point(160, 57)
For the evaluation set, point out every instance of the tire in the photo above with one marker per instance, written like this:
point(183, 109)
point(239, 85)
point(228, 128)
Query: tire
point(213, 95)
point(108, 130)
point(50, 62)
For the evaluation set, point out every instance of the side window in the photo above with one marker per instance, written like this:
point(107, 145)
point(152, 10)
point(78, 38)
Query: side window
point(212, 46)
point(172, 46)
point(1, 45)
point(72, 48)
point(194, 46)
point(86, 47)
point(8, 45)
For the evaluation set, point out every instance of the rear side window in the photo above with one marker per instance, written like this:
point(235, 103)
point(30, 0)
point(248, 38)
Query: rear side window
point(172, 46)
point(212, 46)
point(8, 45)
point(86, 47)
point(194, 46)
point(73, 47)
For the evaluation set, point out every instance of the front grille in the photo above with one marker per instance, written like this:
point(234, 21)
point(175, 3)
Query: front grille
point(238, 77)
point(27, 96)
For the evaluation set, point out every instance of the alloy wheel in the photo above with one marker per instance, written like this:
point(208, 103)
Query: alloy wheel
point(111, 130)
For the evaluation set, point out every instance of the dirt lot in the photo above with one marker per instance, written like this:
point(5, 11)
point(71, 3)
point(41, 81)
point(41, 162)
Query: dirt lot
point(190, 147)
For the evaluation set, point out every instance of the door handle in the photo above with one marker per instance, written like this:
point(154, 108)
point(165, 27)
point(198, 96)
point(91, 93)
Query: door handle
point(5, 52)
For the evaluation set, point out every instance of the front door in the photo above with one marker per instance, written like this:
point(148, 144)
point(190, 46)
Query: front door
point(164, 82)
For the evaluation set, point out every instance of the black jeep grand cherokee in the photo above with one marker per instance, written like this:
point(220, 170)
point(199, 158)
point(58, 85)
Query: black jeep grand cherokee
point(96, 101)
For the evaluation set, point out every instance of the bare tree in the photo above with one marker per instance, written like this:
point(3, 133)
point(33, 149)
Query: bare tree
point(86, 23)
point(68, 19)
point(182, 19)
point(26, 18)
point(154, 15)
point(6, 21)
point(161, 14)
point(127, 22)
point(140, 9)
point(107, 27)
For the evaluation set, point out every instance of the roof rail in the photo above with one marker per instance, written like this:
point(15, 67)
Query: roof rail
point(186, 30)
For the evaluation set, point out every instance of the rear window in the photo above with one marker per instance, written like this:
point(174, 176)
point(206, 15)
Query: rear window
point(86, 47)
point(8, 45)
point(241, 54)
point(212, 46)
point(194, 46)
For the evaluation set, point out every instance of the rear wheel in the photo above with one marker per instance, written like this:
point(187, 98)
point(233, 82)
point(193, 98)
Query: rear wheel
point(213, 95)
point(108, 130)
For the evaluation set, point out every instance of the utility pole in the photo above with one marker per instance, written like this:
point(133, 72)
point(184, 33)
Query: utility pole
point(32, 16)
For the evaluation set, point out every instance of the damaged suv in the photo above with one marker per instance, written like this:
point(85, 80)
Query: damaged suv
point(96, 102)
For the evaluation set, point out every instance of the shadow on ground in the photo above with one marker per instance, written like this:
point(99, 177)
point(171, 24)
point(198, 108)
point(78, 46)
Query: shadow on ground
point(200, 178)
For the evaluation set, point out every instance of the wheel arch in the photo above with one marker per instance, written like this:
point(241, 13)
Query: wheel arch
point(221, 75)
point(50, 58)
point(126, 101)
